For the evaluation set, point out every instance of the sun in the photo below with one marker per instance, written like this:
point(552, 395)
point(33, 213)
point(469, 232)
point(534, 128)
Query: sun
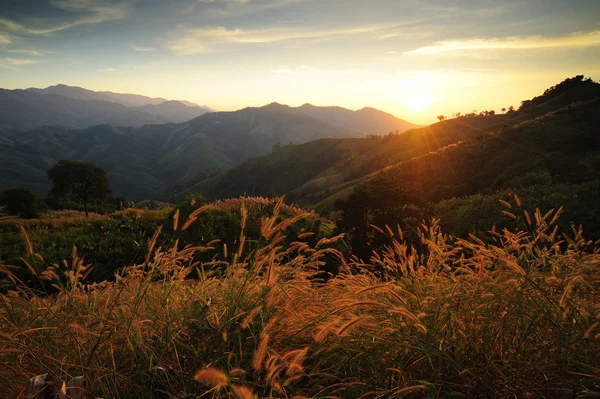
point(417, 102)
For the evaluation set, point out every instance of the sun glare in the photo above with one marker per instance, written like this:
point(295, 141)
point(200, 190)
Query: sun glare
point(417, 102)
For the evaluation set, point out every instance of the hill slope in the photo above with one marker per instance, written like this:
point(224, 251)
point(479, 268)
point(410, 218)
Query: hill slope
point(311, 180)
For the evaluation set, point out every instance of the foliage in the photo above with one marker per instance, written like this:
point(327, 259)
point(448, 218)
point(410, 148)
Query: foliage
point(379, 202)
point(19, 202)
point(81, 181)
point(121, 238)
point(516, 318)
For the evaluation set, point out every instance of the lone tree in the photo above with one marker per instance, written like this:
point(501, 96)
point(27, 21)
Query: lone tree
point(441, 118)
point(81, 181)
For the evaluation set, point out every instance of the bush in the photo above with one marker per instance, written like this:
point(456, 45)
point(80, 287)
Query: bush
point(20, 202)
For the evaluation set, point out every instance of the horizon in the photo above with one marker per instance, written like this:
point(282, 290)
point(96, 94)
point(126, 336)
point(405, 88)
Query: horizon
point(414, 60)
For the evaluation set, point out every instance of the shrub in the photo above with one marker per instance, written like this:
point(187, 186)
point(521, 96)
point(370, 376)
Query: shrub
point(20, 202)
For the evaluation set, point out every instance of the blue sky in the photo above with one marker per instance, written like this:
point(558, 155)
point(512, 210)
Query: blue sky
point(413, 58)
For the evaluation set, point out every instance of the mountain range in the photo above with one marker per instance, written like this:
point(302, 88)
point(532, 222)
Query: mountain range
point(75, 107)
point(144, 162)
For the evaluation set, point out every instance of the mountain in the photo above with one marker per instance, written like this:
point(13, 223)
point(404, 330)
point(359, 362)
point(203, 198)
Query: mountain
point(317, 174)
point(309, 172)
point(143, 161)
point(24, 109)
point(128, 100)
point(173, 111)
point(366, 120)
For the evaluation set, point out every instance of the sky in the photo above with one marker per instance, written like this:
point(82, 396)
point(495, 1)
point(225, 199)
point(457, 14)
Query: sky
point(413, 58)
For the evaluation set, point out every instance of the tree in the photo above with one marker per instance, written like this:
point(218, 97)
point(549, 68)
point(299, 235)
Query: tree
point(383, 200)
point(81, 181)
point(19, 202)
point(442, 118)
point(503, 109)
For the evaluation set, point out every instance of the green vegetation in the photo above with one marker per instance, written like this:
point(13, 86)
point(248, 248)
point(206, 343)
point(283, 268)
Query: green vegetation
point(121, 238)
point(82, 181)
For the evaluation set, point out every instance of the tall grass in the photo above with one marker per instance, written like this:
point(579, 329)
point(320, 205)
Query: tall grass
point(516, 318)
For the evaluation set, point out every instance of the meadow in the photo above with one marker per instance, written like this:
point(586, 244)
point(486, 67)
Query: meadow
point(516, 316)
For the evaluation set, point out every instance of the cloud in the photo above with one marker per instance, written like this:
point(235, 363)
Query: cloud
point(13, 63)
point(107, 70)
point(93, 12)
point(466, 46)
point(140, 48)
point(230, 8)
point(209, 40)
point(5, 39)
point(33, 53)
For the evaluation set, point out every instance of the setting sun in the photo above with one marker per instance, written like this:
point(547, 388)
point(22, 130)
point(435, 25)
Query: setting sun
point(418, 102)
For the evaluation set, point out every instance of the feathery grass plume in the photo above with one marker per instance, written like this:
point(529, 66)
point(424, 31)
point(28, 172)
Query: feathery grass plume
point(261, 351)
point(194, 215)
point(176, 220)
point(28, 245)
point(212, 377)
point(242, 392)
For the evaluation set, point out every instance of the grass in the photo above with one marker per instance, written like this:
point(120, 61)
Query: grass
point(459, 318)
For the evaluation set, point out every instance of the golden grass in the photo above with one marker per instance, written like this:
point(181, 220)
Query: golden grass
point(520, 315)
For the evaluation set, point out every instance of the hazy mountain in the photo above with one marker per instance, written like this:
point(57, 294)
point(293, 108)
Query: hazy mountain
point(366, 120)
point(24, 109)
point(142, 162)
point(129, 100)
point(174, 111)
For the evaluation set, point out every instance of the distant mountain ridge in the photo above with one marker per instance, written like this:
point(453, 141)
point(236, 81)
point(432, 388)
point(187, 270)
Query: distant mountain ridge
point(142, 162)
point(366, 120)
point(76, 107)
point(126, 99)
point(24, 110)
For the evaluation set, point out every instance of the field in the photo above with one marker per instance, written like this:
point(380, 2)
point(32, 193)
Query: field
point(518, 317)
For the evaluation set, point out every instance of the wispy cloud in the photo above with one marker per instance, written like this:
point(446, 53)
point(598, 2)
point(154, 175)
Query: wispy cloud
point(33, 53)
point(209, 40)
point(107, 70)
point(141, 48)
point(5, 39)
point(466, 46)
point(14, 63)
point(90, 12)
point(231, 8)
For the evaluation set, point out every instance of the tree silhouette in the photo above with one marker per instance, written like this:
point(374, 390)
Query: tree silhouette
point(81, 181)
point(441, 118)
